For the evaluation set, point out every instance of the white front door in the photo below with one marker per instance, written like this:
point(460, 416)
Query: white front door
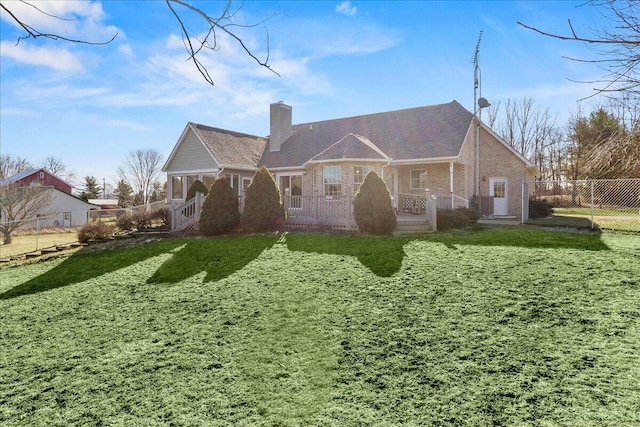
point(498, 189)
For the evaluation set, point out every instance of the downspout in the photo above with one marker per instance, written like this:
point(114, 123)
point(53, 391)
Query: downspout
point(451, 184)
point(394, 202)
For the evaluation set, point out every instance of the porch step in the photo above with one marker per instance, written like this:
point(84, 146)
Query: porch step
point(412, 227)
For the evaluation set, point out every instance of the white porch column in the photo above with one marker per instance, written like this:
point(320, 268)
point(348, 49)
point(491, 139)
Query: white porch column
point(451, 184)
point(394, 172)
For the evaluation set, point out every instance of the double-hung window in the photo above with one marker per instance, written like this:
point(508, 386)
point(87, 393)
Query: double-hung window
point(332, 180)
point(418, 179)
point(359, 173)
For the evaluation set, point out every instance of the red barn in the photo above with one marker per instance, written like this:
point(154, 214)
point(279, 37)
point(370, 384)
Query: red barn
point(40, 176)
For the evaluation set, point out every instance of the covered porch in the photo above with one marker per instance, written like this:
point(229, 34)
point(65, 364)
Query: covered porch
point(412, 184)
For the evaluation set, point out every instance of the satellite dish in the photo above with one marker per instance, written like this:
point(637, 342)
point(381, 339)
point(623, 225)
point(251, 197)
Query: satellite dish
point(483, 103)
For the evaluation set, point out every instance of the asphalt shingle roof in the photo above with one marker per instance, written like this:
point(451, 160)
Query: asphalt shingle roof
point(351, 147)
point(415, 133)
point(232, 149)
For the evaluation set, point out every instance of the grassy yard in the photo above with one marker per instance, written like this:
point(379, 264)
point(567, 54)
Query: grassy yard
point(487, 328)
point(29, 243)
point(625, 219)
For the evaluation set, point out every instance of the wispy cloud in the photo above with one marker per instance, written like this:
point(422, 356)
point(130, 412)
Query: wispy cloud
point(81, 20)
point(58, 59)
point(347, 9)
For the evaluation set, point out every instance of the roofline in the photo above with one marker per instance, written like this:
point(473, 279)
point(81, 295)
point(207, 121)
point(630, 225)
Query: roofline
point(231, 167)
point(379, 112)
point(8, 180)
point(345, 160)
point(287, 168)
point(189, 126)
point(447, 159)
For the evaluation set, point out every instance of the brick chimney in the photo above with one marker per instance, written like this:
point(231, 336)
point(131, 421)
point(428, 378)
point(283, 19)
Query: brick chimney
point(281, 126)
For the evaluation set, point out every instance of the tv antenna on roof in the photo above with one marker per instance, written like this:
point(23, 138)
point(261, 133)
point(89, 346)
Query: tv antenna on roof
point(478, 104)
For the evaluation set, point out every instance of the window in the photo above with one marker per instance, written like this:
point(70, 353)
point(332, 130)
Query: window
point(246, 182)
point(234, 182)
point(41, 175)
point(332, 180)
point(499, 189)
point(190, 180)
point(359, 173)
point(176, 187)
point(418, 179)
point(208, 180)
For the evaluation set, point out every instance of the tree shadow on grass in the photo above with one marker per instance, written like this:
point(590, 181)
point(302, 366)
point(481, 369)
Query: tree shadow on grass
point(382, 255)
point(90, 263)
point(219, 257)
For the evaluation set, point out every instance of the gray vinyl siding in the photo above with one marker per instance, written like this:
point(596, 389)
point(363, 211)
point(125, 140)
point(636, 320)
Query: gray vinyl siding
point(191, 156)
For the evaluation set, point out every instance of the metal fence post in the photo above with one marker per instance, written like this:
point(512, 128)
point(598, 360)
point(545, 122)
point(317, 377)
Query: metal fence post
point(592, 223)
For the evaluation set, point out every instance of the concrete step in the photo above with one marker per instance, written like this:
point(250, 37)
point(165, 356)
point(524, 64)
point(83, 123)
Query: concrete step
point(412, 227)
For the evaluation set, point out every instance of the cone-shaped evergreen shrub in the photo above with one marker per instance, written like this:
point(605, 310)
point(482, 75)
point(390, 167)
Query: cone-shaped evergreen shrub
point(263, 210)
point(372, 208)
point(196, 187)
point(219, 213)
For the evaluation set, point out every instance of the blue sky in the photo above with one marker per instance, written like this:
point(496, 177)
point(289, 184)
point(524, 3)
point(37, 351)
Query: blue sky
point(90, 105)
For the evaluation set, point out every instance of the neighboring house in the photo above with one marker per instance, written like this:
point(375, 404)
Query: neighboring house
point(38, 176)
point(63, 210)
point(318, 166)
point(67, 210)
point(105, 204)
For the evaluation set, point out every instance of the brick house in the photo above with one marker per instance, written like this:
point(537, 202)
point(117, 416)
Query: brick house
point(421, 153)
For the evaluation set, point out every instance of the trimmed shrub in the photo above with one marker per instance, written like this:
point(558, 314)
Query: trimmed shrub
point(452, 218)
point(539, 208)
point(472, 213)
point(220, 213)
point(125, 222)
point(196, 187)
point(142, 220)
point(372, 209)
point(95, 231)
point(263, 210)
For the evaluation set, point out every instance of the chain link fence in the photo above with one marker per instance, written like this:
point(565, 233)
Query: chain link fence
point(43, 231)
point(612, 204)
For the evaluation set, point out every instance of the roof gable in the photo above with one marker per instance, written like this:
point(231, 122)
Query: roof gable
point(351, 147)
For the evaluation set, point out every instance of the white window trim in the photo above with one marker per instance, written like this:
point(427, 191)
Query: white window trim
point(411, 179)
point(324, 185)
point(368, 169)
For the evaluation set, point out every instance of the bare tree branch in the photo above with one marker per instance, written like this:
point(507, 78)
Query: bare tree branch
point(223, 22)
point(618, 46)
point(33, 33)
point(226, 22)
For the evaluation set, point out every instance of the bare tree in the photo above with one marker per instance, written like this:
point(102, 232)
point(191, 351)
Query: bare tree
point(528, 127)
point(195, 42)
point(141, 169)
point(618, 46)
point(22, 204)
point(54, 166)
point(10, 165)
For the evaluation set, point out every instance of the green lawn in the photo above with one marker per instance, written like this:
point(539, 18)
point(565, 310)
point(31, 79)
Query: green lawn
point(486, 328)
